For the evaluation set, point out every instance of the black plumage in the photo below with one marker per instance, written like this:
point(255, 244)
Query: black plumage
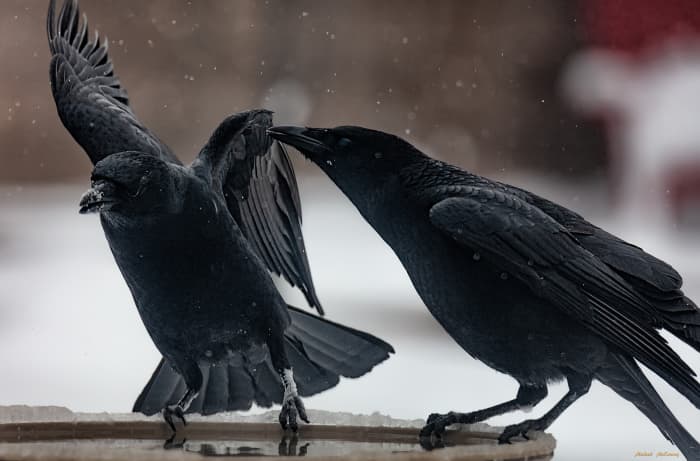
point(523, 284)
point(195, 244)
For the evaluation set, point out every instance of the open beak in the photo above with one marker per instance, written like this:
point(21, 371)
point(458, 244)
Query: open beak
point(100, 197)
point(305, 140)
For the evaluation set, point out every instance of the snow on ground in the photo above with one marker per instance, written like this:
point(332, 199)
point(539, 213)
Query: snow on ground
point(70, 335)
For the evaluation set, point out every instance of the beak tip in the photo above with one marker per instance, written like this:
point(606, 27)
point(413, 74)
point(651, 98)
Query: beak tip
point(301, 138)
point(95, 200)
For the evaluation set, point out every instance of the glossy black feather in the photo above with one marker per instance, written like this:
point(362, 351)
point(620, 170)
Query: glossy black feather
point(625, 377)
point(528, 244)
point(523, 284)
point(258, 181)
point(91, 102)
point(320, 353)
point(194, 244)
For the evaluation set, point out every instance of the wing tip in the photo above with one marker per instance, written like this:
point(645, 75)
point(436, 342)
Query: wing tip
point(50, 22)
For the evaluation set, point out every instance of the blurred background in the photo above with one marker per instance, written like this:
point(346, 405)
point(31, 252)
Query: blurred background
point(593, 104)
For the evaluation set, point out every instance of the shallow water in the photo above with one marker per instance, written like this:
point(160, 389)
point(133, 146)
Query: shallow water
point(147, 440)
point(291, 447)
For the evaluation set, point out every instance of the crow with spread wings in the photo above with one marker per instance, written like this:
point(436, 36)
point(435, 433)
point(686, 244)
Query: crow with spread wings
point(195, 244)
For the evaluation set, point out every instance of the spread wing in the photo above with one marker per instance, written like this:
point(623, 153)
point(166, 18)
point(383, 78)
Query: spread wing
point(522, 240)
point(91, 102)
point(257, 180)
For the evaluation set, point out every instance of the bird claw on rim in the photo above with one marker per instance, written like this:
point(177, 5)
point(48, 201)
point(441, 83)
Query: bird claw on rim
point(292, 408)
point(520, 430)
point(437, 423)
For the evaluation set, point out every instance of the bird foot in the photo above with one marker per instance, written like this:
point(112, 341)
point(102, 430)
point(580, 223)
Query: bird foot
point(176, 411)
point(437, 423)
point(521, 429)
point(292, 408)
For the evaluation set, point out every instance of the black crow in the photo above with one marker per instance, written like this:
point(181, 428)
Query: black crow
point(195, 244)
point(523, 284)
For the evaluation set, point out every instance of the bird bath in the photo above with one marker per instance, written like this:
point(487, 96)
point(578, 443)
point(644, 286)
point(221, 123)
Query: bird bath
point(107, 437)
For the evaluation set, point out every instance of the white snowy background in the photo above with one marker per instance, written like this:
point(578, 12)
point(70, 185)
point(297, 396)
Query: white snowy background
point(70, 334)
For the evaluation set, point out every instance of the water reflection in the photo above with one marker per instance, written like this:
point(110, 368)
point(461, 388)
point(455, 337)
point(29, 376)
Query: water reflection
point(288, 446)
point(141, 440)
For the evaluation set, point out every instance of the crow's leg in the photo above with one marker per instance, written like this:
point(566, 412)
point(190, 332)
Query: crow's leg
point(578, 386)
point(528, 396)
point(292, 406)
point(193, 381)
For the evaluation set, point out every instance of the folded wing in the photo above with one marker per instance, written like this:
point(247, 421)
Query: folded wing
point(522, 240)
point(654, 279)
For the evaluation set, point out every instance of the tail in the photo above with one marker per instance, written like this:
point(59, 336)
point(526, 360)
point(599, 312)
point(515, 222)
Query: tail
point(624, 376)
point(320, 351)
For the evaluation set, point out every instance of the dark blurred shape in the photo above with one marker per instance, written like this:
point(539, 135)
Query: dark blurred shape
point(473, 82)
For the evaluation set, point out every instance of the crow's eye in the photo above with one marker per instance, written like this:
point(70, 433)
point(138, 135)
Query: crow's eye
point(344, 142)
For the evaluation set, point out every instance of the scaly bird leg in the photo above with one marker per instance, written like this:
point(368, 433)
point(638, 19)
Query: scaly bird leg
point(292, 406)
point(178, 410)
point(578, 386)
point(528, 396)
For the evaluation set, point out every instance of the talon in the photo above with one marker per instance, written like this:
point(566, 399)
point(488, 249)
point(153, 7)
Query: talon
point(283, 417)
point(292, 410)
point(503, 441)
point(293, 419)
point(437, 423)
point(520, 430)
point(427, 431)
point(301, 409)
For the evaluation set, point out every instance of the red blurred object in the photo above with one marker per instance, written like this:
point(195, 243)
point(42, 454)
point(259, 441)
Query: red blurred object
point(633, 26)
point(646, 52)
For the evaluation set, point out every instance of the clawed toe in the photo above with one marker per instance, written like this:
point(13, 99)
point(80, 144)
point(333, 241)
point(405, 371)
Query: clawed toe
point(292, 409)
point(519, 430)
point(437, 423)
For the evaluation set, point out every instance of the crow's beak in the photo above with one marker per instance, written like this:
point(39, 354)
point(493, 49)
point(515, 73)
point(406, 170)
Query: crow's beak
point(100, 197)
point(305, 140)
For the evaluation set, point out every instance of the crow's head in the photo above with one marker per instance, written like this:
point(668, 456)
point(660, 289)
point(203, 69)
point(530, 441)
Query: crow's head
point(132, 183)
point(355, 158)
